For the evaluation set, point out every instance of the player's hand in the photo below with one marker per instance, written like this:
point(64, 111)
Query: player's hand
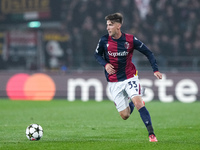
point(110, 68)
point(158, 75)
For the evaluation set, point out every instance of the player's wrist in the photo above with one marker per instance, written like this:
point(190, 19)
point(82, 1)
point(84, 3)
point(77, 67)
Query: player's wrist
point(106, 65)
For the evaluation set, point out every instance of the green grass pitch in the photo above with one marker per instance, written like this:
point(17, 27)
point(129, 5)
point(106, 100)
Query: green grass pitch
point(98, 126)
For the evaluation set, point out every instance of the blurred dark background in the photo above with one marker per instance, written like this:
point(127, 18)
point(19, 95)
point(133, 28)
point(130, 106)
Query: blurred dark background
point(62, 35)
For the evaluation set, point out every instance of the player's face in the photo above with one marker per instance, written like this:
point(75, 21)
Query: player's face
point(113, 28)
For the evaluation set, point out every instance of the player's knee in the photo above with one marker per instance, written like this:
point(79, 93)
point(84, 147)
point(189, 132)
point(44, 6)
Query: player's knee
point(138, 103)
point(125, 116)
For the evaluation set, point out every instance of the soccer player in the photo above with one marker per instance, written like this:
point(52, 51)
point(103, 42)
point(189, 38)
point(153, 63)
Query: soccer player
point(114, 52)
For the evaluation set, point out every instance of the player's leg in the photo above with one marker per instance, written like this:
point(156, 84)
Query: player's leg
point(125, 114)
point(137, 100)
point(122, 105)
point(131, 104)
point(134, 91)
point(120, 98)
point(128, 111)
point(145, 116)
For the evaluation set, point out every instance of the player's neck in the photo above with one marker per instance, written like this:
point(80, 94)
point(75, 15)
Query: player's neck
point(117, 35)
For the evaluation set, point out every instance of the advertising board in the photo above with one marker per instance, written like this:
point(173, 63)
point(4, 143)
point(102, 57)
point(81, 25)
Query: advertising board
point(86, 86)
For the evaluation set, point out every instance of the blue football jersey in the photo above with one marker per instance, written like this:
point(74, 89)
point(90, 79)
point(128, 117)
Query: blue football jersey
point(119, 52)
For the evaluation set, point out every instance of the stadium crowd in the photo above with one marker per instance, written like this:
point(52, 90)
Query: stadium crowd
point(168, 27)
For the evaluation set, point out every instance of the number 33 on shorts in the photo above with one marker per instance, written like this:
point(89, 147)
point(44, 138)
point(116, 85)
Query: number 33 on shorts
point(133, 85)
point(133, 88)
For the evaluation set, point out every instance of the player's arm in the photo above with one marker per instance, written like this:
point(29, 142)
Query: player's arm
point(99, 52)
point(141, 47)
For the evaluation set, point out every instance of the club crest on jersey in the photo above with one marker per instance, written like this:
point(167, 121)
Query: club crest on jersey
point(126, 45)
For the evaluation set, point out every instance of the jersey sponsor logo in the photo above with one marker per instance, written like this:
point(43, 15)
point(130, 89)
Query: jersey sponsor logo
point(124, 53)
point(126, 45)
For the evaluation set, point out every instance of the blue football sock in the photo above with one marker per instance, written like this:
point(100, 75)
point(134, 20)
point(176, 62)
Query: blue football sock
point(144, 114)
point(131, 105)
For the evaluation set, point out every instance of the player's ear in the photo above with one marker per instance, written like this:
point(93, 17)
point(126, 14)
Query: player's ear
point(119, 26)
